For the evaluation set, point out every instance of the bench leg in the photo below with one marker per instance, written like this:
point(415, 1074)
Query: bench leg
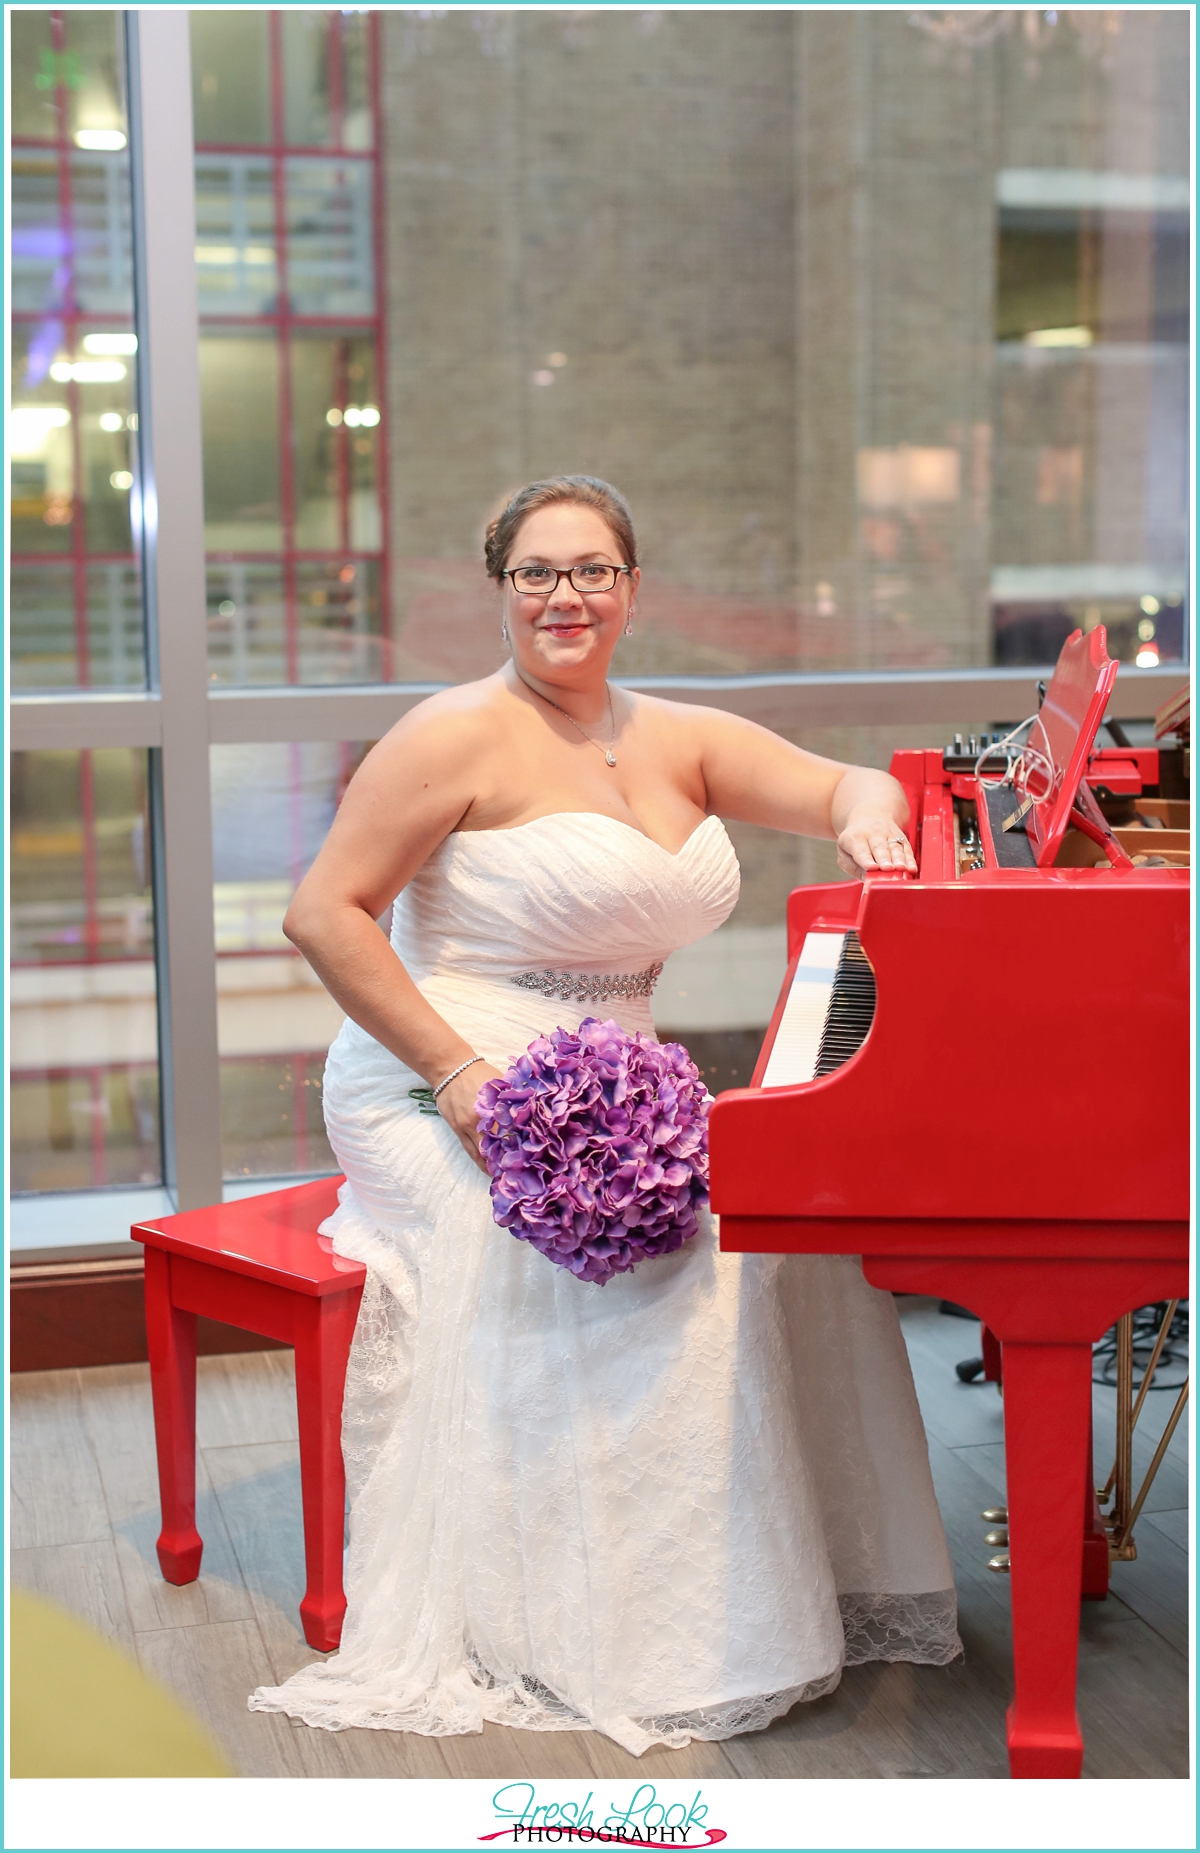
point(172, 1344)
point(324, 1328)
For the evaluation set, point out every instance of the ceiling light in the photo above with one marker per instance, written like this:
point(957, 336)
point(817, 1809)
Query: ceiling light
point(111, 421)
point(121, 479)
point(333, 416)
point(234, 254)
point(352, 415)
point(110, 344)
point(1150, 606)
point(1147, 656)
point(100, 141)
point(369, 415)
point(1076, 336)
point(88, 372)
point(31, 425)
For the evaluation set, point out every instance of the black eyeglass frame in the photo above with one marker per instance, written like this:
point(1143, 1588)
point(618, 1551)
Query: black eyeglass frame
point(563, 572)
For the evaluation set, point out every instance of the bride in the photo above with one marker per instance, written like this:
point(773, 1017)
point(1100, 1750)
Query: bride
point(666, 1508)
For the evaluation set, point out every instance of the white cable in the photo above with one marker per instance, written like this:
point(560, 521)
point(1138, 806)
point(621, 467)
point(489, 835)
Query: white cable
point(1030, 759)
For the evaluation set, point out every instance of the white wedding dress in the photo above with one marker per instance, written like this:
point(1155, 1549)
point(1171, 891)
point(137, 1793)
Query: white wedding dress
point(665, 1508)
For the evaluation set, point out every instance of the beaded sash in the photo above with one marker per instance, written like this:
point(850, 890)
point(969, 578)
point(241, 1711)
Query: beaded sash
point(590, 987)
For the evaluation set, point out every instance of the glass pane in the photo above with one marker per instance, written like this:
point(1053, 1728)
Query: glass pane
point(231, 84)
point(294, 423)
point(339, 614)
point(235, 236)
point(73, 451)
point(308, 116)
point(49, 647)
point(330, 237)
point(93, 67)
point(35, 77)
point(239, 392)
point(326, 81)
point(272, 808)
point(359, 58)
point(84, 1031)
point(337, 421)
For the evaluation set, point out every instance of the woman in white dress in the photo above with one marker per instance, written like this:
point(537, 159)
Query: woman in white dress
point(666, 1508)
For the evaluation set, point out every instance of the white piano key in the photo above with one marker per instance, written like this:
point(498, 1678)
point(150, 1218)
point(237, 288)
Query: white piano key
point(794, 1052)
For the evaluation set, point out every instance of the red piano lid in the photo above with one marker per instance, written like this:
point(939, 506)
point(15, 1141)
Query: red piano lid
point(1066, 726)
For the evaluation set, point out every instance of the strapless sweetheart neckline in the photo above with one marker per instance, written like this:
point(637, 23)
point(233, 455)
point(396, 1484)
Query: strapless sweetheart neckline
point(554, 816)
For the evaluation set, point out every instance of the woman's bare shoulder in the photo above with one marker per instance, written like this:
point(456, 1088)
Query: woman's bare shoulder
point(456, 717)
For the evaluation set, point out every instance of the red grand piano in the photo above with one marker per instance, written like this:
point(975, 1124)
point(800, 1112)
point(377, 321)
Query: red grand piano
point(981, 1008)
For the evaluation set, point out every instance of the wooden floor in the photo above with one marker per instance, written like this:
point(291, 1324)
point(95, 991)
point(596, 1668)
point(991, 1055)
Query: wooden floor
point(85, 1517)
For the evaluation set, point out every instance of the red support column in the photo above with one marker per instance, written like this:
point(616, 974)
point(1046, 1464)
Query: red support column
point(387, 626)
point(283, 309)
point(87, 827)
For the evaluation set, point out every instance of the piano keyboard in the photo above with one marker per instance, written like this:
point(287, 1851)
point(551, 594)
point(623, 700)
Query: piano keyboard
point(828, 1010)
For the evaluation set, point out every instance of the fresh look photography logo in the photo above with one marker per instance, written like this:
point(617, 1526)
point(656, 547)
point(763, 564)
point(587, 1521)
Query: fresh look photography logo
point(644, 1821)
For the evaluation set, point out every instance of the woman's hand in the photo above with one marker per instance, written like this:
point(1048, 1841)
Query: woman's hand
point(872, 839)
point(456, 1104)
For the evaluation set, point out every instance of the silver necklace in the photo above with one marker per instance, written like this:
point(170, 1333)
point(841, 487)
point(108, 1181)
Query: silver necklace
point(609, 756)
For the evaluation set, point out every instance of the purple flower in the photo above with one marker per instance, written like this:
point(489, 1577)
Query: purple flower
point(597, 1145)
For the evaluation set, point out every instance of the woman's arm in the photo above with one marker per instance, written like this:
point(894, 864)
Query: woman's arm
point(754, 776)
point(407, 796)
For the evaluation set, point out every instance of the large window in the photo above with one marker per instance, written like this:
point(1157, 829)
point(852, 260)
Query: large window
point(879, 318)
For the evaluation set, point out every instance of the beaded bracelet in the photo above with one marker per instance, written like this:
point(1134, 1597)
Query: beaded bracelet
point(454, 1072)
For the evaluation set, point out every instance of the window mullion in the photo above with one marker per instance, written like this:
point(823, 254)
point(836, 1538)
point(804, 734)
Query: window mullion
point(173, 554)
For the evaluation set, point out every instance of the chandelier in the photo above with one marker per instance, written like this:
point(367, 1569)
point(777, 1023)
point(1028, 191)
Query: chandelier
point(958, 33)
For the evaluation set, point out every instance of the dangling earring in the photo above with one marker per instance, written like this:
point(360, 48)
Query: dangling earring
point(629, 623)
point(504, 630)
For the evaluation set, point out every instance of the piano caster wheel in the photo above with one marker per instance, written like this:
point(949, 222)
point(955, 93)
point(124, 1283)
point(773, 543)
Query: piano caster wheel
point(969, 1369)
point(1000, 1564)
point(995, 1515)
point(995, 1537)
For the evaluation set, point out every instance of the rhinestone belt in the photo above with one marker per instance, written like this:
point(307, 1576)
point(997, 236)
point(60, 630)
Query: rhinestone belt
point(590, 988)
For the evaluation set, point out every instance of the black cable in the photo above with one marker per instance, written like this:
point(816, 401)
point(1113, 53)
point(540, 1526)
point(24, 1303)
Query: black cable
point(1174, 1359)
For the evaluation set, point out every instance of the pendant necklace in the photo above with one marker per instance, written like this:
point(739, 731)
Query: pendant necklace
point(610, 757)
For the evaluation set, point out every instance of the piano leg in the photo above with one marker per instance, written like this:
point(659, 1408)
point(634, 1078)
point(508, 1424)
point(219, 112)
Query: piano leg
point(1095, 1537)
point(1047, 1408)
point(1047, 1313)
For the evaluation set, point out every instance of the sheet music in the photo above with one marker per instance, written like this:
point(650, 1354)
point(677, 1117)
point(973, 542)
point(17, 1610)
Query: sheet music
point(793, 1056)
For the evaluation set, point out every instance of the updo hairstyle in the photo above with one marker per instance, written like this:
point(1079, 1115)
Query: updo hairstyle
point(582, 491)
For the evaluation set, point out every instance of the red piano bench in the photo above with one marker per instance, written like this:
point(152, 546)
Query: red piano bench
point(260, 1265)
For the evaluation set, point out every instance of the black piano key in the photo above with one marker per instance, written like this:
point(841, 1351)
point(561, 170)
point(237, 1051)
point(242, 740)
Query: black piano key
point(851, 1008)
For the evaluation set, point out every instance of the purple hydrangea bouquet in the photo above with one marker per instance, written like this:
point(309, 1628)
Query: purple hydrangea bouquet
point(597, 1145)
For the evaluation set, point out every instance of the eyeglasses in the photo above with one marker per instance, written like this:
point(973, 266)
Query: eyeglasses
point(542, 581)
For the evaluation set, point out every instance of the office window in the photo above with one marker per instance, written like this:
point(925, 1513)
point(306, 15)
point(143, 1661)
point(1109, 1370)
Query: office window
point(76, 617)
point(288, 262)
point(272, 808)
point(84, 1046)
